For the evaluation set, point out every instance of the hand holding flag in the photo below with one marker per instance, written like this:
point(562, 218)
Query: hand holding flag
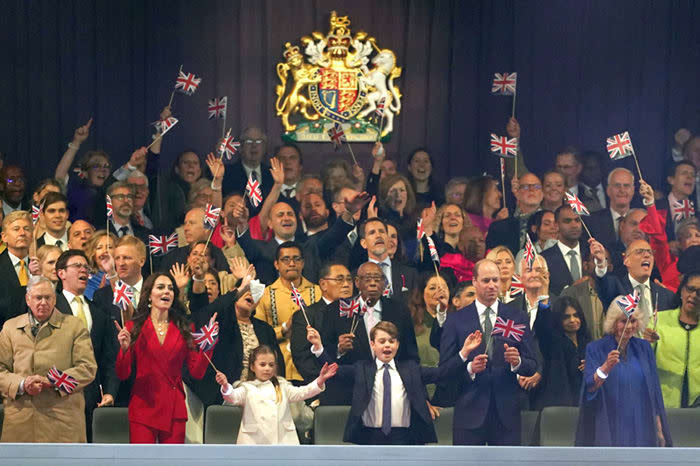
point(516, 286)
point(123, 295)
point(299, 301)
point(509, 329)
point(207, 336)
point(62, 381)
point(504, 84)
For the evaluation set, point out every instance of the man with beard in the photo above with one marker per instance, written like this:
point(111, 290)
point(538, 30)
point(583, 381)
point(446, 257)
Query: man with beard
point(122, 195)
point(348, 347)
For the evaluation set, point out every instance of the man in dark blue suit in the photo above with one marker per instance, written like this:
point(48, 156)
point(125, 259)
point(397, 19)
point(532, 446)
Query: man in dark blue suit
point(681, 178)
point(605, 224)
point(389, 399)
point(487, 410)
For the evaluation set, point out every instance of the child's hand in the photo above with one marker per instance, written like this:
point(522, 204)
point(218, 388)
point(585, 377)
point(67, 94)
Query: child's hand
point(221, 379)
point(313, 337)
point(471, 343)
point(327, 372)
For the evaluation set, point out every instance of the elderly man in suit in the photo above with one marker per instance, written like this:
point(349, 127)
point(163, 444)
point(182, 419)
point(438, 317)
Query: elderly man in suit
point(14, 263)
point(72, 269)
point(487, 410)
point(38, 409)
point(605, 224)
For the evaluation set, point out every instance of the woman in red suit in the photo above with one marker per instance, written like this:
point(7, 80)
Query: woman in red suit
point(156, 342)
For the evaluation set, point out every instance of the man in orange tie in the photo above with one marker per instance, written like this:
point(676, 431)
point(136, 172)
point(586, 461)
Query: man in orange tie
point(17, 231)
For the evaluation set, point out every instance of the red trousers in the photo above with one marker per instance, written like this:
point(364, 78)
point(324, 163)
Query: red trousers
point(140, 433)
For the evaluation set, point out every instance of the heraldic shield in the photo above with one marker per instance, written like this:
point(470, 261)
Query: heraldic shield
point(338, 79)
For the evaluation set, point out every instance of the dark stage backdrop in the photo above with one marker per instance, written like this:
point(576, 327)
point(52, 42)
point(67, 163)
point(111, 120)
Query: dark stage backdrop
point(586, 69)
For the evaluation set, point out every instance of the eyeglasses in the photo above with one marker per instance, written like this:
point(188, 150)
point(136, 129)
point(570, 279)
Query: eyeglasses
point(531, 187)
point(103, 166)
point(286, 260)
point(18, 180)
point(253, 141)
point(80, 267)
point(692, 290)
point(123, 197)
point(339, 280)
point(372, 278)
point(642, 251)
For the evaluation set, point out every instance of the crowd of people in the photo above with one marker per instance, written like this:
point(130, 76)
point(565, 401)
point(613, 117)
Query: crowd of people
point(385, 291)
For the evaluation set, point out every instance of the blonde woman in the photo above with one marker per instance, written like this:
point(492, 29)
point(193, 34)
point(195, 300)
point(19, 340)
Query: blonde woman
point(505, 261)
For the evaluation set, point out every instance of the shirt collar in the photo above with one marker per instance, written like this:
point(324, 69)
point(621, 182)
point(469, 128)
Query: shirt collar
point(280, 241)
point(386, 261)
point(326, 300)
point(380, 364)
point(70, 296)
point(51, 240)
point(481, 308)
point(15, 260)
point(377, 306)
point(635, 283)
point(565, 249)
point(248, 171)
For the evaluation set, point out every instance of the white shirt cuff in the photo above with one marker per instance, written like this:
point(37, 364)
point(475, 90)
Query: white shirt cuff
point(469, 369)
point(602, 269)
point(228, 391)
point(317, 353)
point(516, 367)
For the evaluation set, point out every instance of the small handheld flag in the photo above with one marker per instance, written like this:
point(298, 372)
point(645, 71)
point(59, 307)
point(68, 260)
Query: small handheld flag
point(348, 308)
point(207, 336)
point(420, 231)
point(229, 146)
point(217, 107)
point(122, 295)
point(36, 211)
point(162, 244)
point(530, 252)
point(509, 329)
point(681, 210)
point(504, 84)
point(61, 380)
point(253, 191)
point(433, 250)
point(110, 208)
point(337, 136)
point(211, 216)
point(619, 146)
point(516, 286)
point(504, 147)
point(576, 204)
point(187, 83)
point(628, 303)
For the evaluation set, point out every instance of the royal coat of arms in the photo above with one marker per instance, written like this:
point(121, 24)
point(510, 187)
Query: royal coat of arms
point(334, 84)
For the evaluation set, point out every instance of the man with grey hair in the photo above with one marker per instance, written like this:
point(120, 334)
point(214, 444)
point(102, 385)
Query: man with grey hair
point(454, 190)
point(122, 195)
point(605, 224)
point(250, 166)
point(46, 360)
point(139, 183)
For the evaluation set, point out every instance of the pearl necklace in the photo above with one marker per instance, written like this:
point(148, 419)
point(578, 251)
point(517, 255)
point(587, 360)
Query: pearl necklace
point(161, 331)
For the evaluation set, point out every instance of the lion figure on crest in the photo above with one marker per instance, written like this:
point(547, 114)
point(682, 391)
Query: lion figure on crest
point(303, 74)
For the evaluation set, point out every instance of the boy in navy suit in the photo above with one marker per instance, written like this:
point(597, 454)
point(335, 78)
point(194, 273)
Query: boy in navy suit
point(389, 396)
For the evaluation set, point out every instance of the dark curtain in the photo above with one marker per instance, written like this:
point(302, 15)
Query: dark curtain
point(586, 69)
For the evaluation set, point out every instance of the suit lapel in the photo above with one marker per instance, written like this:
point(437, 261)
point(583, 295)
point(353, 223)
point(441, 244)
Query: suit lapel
point(370, 368)
point(563, 265)
point(7, 265)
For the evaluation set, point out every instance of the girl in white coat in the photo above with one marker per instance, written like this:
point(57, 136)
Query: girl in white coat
point(265, 399)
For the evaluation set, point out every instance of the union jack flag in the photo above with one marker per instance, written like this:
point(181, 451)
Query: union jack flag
point(629, 303)
point(36, 211)
point(348, 308)
point(211, 216)
point(217, 107)
point(252, 189)
point(110, 208)
point(207, 336)
point(162, 244)
point(388, 291)
point(509, 329)
point(420, 230)
point(433, 250)
point(187, 83)
point(123, 295)
point(337, 136)
point(380, 107)
point(297, 298)
point(61, 380)
point(503, 146)
point(516, 286)
point(530, 252)
point(620, 146)
point(681, 210)
point(576, 204)
point(229, 146)
point(163, 126)
point(504, 84)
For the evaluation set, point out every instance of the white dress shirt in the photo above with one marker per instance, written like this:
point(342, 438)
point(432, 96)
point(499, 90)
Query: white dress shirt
point(15, 263)
point(257, 171)
point(600, 194)
point(74, 307)
point(481, 310)
point(51, 241)
point(565, 250)
point(400, 408)
point(117, 227)
point(373, 315)
point(647, 294)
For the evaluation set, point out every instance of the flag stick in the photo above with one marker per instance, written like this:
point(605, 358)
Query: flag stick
point(352, 324)
point(381, 123)
point(437, 273)
point(306, 318)
point(208, 239)
point(623, 333)
point(209, 359)
point(503, 180)
point(512, 112)
point(351, 152)
point(155, 140)
point(223, 127)
point(172, 94)
point(637, 164)
point(584, 226)
point(150, 262)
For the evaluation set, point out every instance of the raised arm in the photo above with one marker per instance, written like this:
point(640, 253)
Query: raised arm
point(79, 136)
point(277, 172)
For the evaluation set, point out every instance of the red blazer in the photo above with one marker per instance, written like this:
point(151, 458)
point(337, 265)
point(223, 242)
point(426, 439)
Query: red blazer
point(158, 396)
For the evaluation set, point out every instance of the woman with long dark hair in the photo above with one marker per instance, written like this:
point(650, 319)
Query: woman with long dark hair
point(156, 343)
point(482, 202)
point(420, 174)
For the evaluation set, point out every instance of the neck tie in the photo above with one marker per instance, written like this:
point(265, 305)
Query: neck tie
point(386, 270)
point(254, 175)
point(81, 310)
point(22, 274)
point(488, 329)
point(643, 303)
point(573, 265)
point(59, 244)
point(386, 402)
point(371, 318)
point(289, 192)
point(123, 231)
